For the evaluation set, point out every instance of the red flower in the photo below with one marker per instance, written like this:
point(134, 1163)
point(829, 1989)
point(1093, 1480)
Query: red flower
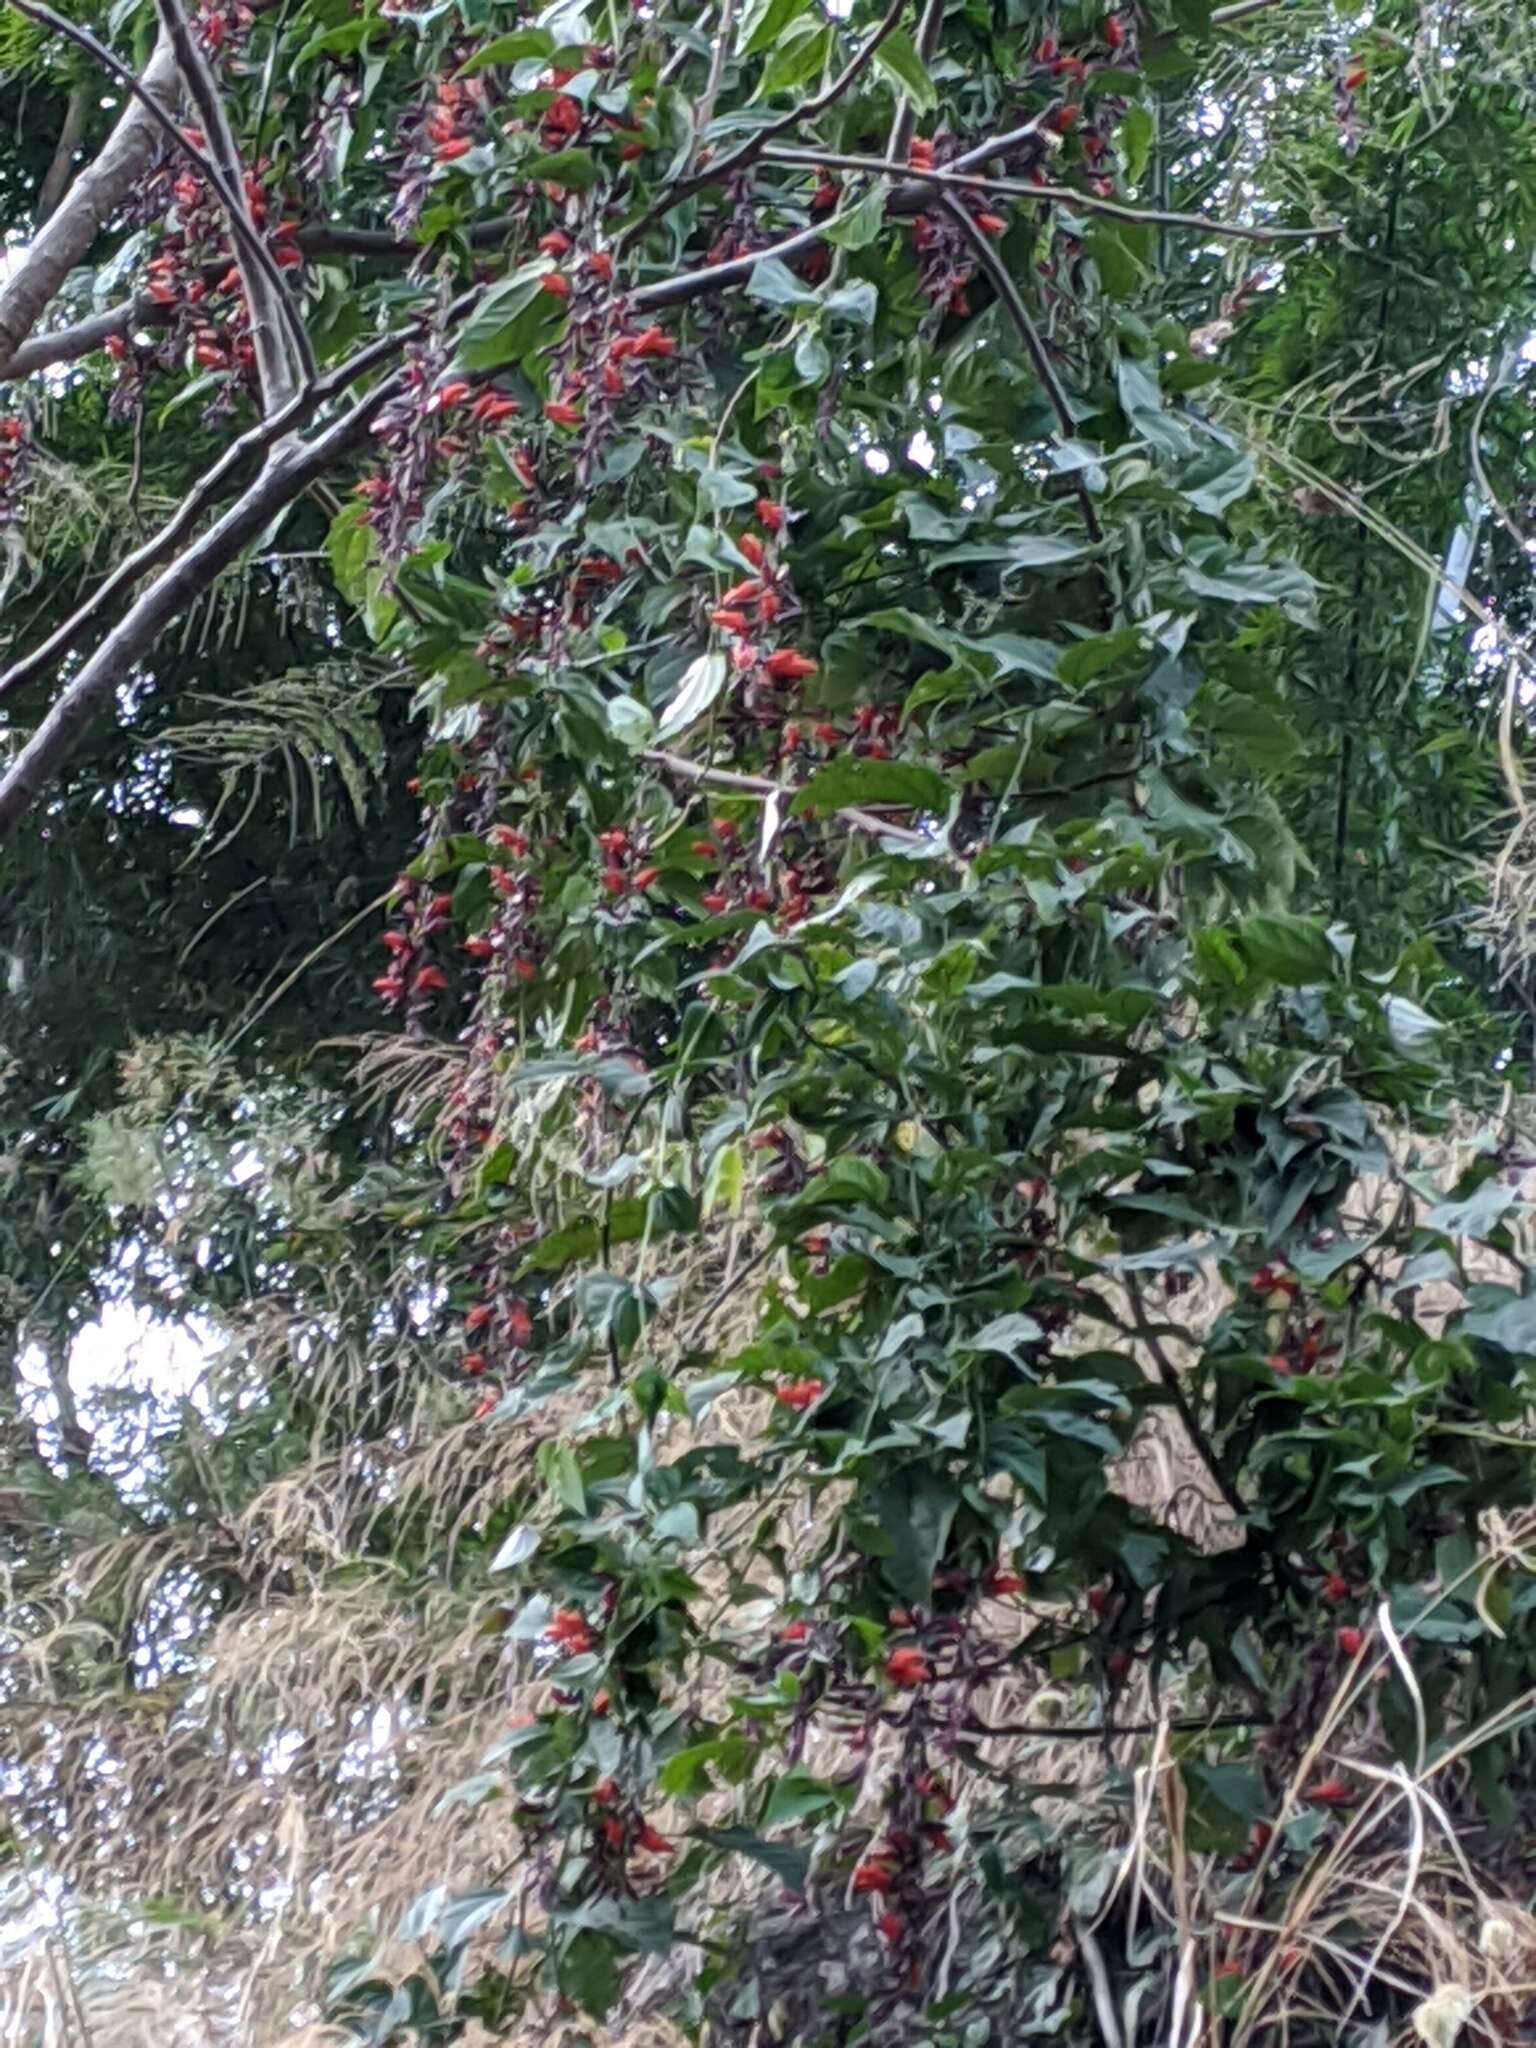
point(715, 901)
point(787, 665)
point(449, 152)
point(1349, 1641)
point(1335, 1588)
point(478, 1316)
point(605, 1793)
point(568, 1628)
point(890, 1926)
point(1065, 119)
point(649, 1838)
point(752, 548)
point(600, 263)
point(770, 514)
point(728, 620)
point(519, 1322)
point(874, 1875)
point(1331, 1792)
point(479, 947)
point(562, 414)
point(794, 1631)
point(554, 283)
point(555, 243)
point(992, 223)
point(644, 877)
point(999, 1583)
point(799, 1393)
point(907, 1668)
point(427, 979)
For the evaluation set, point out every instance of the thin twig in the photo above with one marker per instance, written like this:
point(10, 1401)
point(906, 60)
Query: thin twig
point(1173, 1381)
point(1008, 293)
point(759, 785)
point(753, 147)
point(1059, 195)
point(905, 118)
point(724, 35)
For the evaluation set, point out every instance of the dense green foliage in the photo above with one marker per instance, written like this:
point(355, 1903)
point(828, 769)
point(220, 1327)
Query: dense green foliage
point(872, 1380)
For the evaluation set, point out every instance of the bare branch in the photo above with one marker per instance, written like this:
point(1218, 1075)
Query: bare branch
point(294, 465)
point(1021, 188)
point(759, 785)
point(83, 337)
point(265, 293)
point(65, 238)
point(161, 545)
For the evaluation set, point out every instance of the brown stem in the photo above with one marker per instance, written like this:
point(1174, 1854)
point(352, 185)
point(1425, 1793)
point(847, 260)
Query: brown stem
point(1173, 1382)
point(900, 138)
point(83, 337)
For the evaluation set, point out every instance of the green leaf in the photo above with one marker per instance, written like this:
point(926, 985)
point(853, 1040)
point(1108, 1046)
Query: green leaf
point(725, 1182)
point(860, 225)
point(791, 1866)
point(775, 284)
point(574, 169)
point(799, 1795)
point(915, 1510)
point(898, 57)
point(508, 49)
point(850, 780)
point(1137, 132)
point(587, 1971)
point(764, 22)
point(560, 1472)
point(1293, 951)
point(630, 723)
point(502, 327)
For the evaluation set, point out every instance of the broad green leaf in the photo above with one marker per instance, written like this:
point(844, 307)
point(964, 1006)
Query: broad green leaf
point(851, 780)
point(898, 57)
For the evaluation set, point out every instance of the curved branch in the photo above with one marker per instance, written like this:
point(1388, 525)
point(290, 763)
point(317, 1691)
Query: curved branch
point(910, 197)
point(255, 441)
point(1007, 291)
point(65, 238)
point(83, 337)
point(293, 467)
point(266, 294)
